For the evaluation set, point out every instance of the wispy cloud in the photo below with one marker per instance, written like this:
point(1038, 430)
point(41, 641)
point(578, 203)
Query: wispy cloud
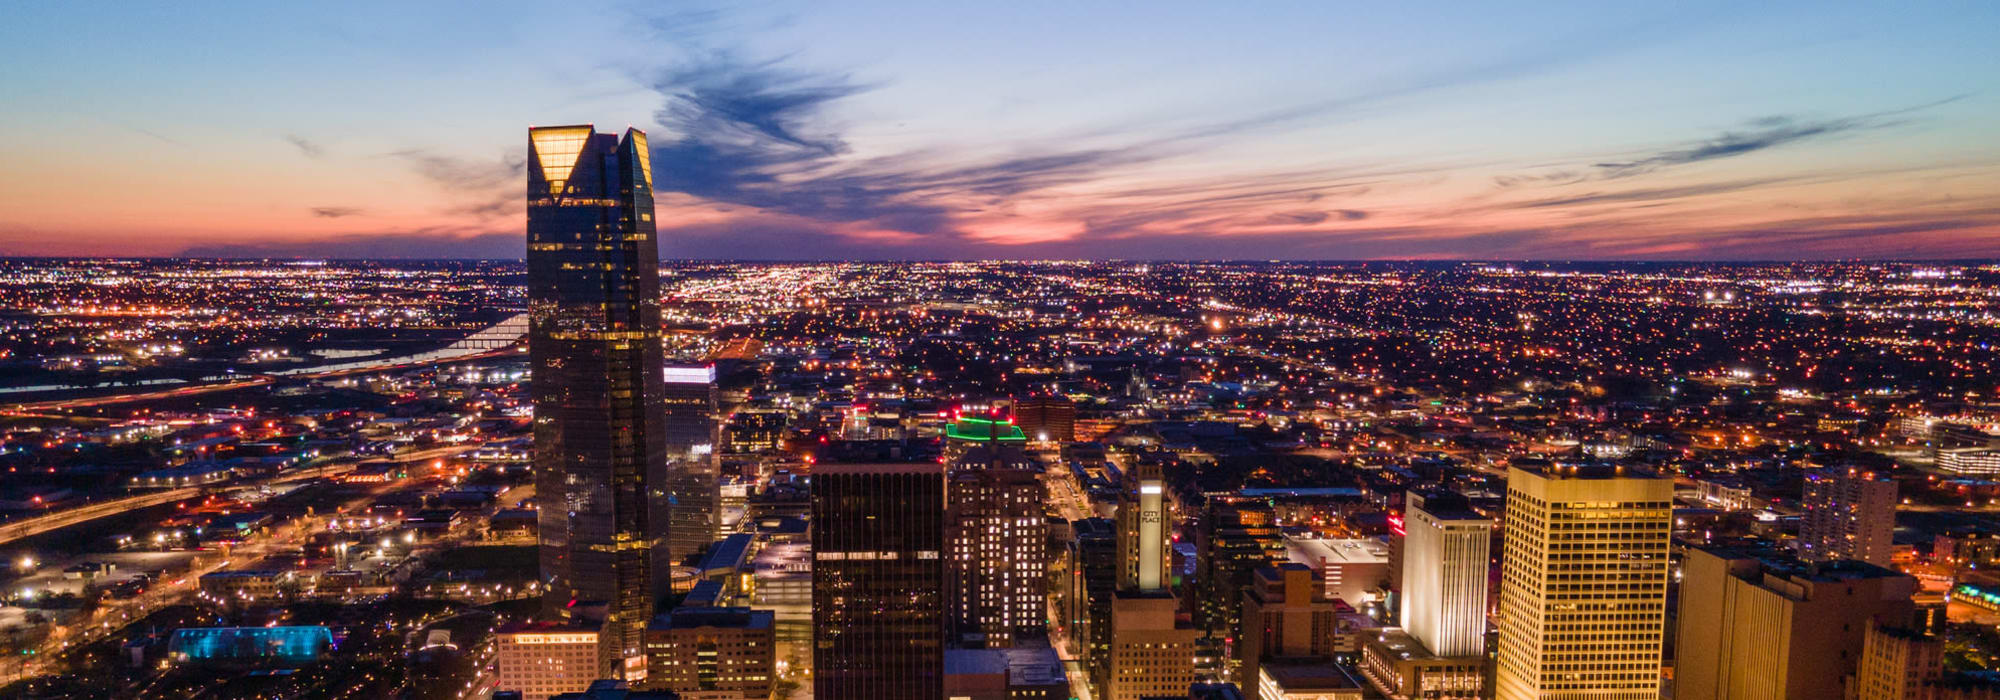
point(307, 147)
point(1649, 194)
point(487, 188)
point(763, 134)
point(455, 173)
point(335, 212)
point(1758, 135)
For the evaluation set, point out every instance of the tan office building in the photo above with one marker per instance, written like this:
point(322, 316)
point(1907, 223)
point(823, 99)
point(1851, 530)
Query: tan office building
point(1898, 664)
point(1583, 591)
point(1755, 623)
point(1152, 653)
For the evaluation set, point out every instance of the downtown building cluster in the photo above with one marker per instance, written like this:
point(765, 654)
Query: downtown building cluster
point(940, 578)
point(1006, 480)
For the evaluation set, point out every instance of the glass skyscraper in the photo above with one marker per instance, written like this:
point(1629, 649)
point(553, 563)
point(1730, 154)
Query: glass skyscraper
point(694, 493)
point(595, 345)
point(878, 590)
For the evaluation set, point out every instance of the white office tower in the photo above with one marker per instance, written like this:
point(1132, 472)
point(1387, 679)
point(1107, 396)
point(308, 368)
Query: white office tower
point(1583, 591)
point(1446, 550)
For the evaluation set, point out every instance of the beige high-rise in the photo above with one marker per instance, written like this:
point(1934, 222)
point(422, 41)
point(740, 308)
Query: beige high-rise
point(1445, 569)
point(1583, 591)
point(1755, 623)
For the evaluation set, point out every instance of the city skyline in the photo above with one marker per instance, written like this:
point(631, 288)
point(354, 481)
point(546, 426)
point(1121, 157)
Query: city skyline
point(1550, 350)
point(783, 131)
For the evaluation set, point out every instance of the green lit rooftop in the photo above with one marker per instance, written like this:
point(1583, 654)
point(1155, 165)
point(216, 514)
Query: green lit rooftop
point(983, 430)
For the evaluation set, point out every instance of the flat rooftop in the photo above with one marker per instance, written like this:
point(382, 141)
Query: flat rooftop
point(1312, 550)
point(1588, 471)
point(1775, 560)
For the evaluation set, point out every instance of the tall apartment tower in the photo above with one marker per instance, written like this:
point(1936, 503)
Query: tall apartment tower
point(1850, 516)
point(878, 596)
point(1583, 591)
point(1756, 623)
point(1446, 557)
point(594, 342)
point(1152, 647)
point(694, 490)
point(997, 538)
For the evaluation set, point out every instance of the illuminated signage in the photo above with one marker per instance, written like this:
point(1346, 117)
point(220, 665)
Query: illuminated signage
point(690, 375)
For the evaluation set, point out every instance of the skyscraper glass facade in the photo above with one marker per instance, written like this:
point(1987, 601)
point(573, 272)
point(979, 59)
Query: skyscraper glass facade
point(595, 346)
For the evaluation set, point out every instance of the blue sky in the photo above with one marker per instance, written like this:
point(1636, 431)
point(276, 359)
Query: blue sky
point(1023, 130)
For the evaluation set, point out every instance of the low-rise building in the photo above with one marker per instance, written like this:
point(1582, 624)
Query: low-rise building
point(712, 653)
point(542, 660)
point(1399, 667)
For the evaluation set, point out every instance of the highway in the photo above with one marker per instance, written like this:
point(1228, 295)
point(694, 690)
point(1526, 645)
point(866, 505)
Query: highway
point(40, 408)
point(56, 520)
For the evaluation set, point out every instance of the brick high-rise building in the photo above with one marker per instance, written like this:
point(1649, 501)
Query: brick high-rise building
point(727, 653)
point(996, 538)
point(545, 659)
point(1046, 418)
point(1286, 616)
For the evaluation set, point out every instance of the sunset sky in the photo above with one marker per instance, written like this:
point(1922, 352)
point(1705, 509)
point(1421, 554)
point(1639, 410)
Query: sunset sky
point(929, 130)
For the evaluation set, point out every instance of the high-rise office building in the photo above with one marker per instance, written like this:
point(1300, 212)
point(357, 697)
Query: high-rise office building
point(1145, 537)
point(1286, 616)
point(879, 607)
point(1234, 539)
point(1583, 590)
point(1445, 566)
point(1848, 516)
point(1756, 623)
point(1444, 562)
point(997, 539)
point(694, 490)
point(1093, 561)
point(595, 348)
point(1152, 648)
